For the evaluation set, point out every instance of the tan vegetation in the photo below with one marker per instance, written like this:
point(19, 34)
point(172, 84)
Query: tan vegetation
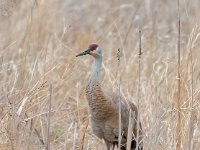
point(38, 44)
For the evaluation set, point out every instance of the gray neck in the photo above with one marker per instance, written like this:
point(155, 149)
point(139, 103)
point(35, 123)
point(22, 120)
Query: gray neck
point(95, 74)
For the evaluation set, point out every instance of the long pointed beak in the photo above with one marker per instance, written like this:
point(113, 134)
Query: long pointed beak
point(84, 53)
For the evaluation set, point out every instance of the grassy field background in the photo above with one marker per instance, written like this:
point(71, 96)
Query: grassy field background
point(38, 43)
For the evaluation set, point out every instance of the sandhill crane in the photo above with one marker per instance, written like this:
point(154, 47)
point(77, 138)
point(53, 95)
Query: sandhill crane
point(104, 108)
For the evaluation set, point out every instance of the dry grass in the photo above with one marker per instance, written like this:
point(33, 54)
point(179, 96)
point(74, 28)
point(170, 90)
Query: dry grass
point(38, 44)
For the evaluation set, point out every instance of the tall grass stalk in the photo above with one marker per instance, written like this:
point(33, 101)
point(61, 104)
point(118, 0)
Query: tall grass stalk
point(191, 121)
point(119, 93)
point(179, 121)
point(49, 119)
point(192, 111)
point(139, 87)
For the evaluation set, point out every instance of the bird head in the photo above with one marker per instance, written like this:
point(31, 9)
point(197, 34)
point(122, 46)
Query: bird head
point(93, 50)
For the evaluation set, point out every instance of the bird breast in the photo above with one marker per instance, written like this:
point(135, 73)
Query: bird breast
point(100, 106)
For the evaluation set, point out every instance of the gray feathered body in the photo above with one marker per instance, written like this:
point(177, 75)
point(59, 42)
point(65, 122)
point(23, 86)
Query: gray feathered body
point(104, 111)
